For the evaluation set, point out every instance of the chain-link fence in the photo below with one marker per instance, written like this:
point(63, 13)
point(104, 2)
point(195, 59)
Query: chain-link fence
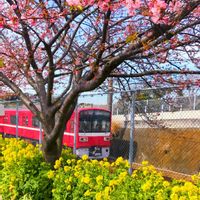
point(165, 131)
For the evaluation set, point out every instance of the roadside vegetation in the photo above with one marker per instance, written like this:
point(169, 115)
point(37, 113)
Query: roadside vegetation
point(25, 175)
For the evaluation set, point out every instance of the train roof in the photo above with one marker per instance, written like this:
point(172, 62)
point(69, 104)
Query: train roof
point(92, 108)
point(79, 109)
point(11, 109)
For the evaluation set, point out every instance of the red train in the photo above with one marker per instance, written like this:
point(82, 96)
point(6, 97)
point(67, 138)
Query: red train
point(91, 127)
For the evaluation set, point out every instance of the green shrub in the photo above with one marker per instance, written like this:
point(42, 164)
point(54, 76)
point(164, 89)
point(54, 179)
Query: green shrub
point(84, 178)
point(23, 172)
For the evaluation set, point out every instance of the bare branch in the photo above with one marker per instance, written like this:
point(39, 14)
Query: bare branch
point(154, 72)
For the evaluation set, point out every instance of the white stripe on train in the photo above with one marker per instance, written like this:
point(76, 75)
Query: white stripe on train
point(65, 133)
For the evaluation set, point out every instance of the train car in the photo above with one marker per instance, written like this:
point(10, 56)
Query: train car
point(87, 131)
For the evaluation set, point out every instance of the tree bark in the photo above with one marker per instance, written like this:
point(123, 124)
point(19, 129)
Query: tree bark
point(51, 152)
point(52, 149)
point(54, 128)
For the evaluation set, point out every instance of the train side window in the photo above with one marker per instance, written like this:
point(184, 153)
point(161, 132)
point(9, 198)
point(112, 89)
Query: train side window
point(35, 122)
point(5, 119)
point(25, 120)
point(13, 119)
point(71, 126)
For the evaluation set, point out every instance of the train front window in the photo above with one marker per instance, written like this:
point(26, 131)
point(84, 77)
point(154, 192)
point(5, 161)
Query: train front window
point(94, 121)
point(35, 122)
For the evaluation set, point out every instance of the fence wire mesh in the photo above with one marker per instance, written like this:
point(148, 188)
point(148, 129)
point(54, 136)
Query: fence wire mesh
point(166, 132)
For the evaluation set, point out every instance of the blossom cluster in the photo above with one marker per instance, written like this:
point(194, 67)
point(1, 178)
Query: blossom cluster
point(155, 9)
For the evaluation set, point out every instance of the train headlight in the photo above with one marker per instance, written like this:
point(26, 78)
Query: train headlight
point(83, 139)
point(106, 138)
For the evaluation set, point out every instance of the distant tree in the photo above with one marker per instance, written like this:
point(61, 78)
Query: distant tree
point(61, 48)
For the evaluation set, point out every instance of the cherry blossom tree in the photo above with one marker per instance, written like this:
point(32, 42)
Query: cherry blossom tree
point(58, 49)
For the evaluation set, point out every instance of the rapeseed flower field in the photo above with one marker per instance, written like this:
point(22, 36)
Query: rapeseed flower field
point(25, 175)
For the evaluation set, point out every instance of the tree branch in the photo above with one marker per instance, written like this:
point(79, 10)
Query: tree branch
point(29, 104)
point(154, 72)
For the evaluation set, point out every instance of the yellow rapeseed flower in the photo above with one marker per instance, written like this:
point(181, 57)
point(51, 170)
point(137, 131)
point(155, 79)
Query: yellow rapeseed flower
point(98, 196)
point(69, 162)
point(122, 176)
point(73, 160)
point(182, 198)
point(176, 189)
point(53, 190)
point(79, 162)
point(66, 181)
point(107, 192)
point(114, 182)
point(166, 183)
point(57, 164)
point(188, 186)
point(87, 193)
point(134, 174)
point(67, 168)
point(194, 197)
point(146, 186)
point(99, 179)
point(105, 159)
point(50, 174)
point(85, 157)
point(11, 188)
point(76, 174)
point(151, 168)
point(145, 162)
point(174, 196)
point(106, 164)
point(119, 161)
point(159, 195)
point(85, 180)
point(112, 164)
point(145, 172)
point(127, 164)
point(101, 163)
point(70, 179)
point(94, 162)
point(69, 187)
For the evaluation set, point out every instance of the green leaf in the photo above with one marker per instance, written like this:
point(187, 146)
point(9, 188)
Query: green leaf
point(131, 38)
point(1, 63)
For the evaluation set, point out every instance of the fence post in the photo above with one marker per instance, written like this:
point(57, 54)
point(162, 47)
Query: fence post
point(75, 128)
point(17, 118)
point(132, 114)
point(40, 134)
point(194, 102)
point(110, 95)
point(162, 108)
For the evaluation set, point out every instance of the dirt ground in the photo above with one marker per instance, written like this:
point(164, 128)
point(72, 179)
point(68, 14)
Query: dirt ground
point(171, 149)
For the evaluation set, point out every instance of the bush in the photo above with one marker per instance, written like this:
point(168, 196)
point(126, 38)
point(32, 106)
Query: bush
point(24, 175)
point(115, 128)
point(101, 180)
point(86, 179)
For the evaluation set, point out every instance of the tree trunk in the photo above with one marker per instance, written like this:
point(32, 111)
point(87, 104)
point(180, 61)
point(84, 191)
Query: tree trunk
point(52, 149)
point(54, 128)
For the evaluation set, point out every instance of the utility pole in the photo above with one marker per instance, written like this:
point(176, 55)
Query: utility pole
point(110, 94)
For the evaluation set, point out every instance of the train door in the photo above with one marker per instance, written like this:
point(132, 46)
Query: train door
point(68, 138)
point(24, 122)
